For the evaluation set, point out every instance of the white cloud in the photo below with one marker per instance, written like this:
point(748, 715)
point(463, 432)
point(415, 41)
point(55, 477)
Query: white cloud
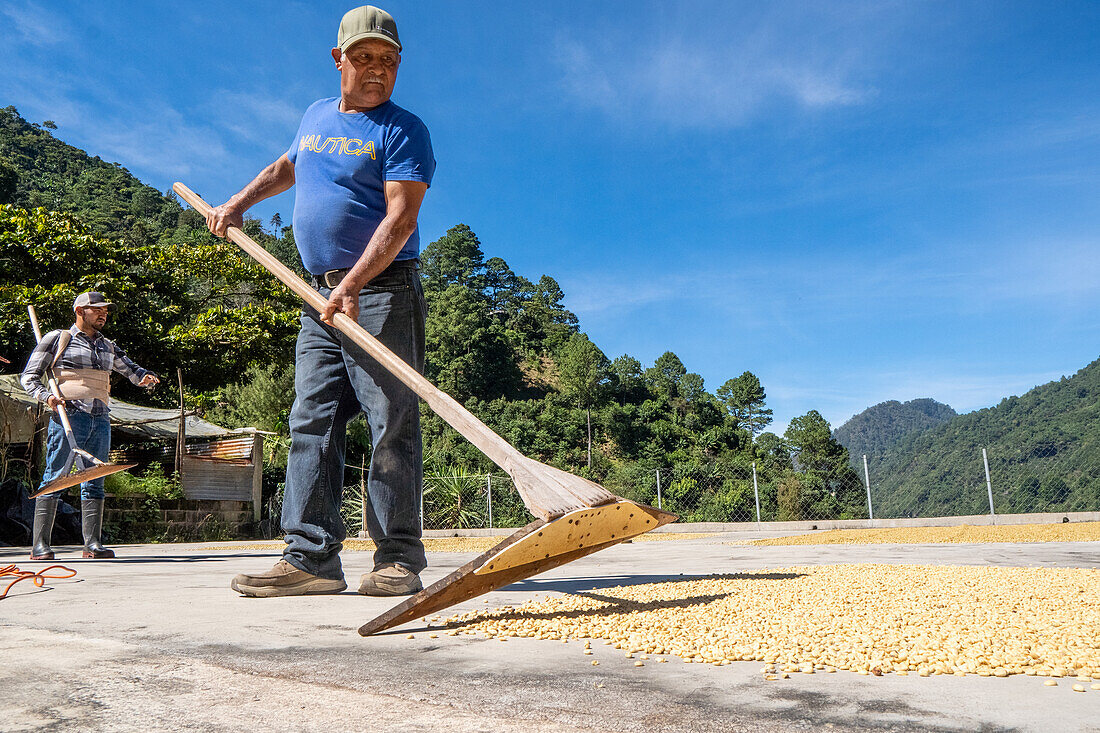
point(710, 80)
point(144, 135)
point(952, 279)
point(151, 136)
point(593, 295)
point(260, 118)
point(34, 25)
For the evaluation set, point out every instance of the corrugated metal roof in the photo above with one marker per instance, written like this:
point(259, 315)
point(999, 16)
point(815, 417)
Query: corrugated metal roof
point(223, 450)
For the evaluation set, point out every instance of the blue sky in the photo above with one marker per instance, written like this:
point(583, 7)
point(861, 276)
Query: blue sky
point(855, 201)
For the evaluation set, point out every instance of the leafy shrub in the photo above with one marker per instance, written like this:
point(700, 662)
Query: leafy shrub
point(153, 483)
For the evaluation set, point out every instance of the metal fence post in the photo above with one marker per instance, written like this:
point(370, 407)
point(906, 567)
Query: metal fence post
point(989, 485)
point(658, 488)
point(867, 483)
point(363, 498)
point(489, 496)
point(756, 492)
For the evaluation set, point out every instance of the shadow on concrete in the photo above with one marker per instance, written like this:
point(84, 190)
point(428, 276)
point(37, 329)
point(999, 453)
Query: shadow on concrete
point(579, 585)
point(586, 586)
point(21, 556)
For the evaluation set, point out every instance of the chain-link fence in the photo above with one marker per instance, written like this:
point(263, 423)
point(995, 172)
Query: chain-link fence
point(1042, 476)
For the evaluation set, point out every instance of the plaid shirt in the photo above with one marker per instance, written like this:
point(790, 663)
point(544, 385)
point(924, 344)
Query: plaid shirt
point(82, 353)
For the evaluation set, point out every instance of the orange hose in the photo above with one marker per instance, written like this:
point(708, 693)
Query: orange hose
point(38, 578)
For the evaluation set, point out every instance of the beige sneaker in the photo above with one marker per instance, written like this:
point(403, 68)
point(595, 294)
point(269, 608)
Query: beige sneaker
point(390, 579)
point(285, 580)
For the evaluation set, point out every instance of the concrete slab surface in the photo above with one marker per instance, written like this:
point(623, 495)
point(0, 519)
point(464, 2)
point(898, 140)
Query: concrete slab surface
point(155, 640)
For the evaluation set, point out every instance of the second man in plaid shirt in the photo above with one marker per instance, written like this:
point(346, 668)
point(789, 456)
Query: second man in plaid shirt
point(83, 370)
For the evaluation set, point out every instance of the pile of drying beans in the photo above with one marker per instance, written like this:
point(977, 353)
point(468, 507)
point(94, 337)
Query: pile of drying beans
point(868, 619)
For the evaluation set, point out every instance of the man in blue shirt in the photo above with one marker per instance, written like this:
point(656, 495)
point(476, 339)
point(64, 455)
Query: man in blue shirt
point(361, 165)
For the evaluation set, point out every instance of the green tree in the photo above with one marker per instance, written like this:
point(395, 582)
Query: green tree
point(262, 400)
point(583, 370)
point(788, 493)
point(830, 487)
point(468, 355)
point(196, 304)
point(743, 399)
point(454, 259)
point(9, 182)
point(627, 381)
point(544, 319)
point(285, 249)
point(665, 375)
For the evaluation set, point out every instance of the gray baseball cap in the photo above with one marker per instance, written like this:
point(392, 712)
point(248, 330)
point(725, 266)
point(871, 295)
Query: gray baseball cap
point(366, 21)
point(93, 300)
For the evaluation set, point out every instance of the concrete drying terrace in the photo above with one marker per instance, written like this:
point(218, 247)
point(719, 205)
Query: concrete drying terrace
point(155, 640)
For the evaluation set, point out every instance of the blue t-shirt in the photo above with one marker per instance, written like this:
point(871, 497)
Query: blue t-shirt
point(341, 163)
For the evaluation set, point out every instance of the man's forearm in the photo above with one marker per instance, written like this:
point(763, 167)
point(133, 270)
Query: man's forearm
point(387, 241)
point(272, 180)
point(402, 206)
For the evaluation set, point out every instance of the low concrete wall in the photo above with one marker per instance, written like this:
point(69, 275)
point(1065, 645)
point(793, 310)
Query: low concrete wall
point(176, 519)
point(823, 524)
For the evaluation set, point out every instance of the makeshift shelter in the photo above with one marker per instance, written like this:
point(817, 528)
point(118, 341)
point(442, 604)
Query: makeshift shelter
point(216, 464)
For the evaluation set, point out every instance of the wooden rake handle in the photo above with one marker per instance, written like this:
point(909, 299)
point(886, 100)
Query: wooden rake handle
point(62, 415)
point(457, 416)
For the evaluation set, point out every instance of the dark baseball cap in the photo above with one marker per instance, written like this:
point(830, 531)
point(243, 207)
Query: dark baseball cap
point(366, 21)
point(94, 300)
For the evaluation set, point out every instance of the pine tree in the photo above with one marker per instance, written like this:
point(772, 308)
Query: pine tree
point(743, 398)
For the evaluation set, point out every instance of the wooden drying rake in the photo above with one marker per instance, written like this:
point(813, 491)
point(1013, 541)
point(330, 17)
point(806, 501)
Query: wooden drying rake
point(87, 466)
point(575, 516)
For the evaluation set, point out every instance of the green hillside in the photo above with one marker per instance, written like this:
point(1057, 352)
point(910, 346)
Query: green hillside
point(1043, 448)
point(879, 427)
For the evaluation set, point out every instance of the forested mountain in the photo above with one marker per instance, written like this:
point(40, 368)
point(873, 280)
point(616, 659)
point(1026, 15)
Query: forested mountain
point(1043, 448)
point(874, 430)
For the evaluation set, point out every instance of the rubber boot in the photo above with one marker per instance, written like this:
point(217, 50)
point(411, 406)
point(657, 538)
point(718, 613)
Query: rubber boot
point(45, 509)
point(91, 521)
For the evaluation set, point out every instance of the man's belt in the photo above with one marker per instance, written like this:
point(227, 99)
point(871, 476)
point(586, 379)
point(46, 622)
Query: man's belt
point(332, 278)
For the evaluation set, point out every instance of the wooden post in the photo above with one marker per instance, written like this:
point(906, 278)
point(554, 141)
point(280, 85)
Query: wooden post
point(257, 474)
point(181, 434)
point(38, 447)
point(588, 411)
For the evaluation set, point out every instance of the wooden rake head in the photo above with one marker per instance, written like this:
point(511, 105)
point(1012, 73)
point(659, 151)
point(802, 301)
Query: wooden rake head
point(530, 550)
point(67, 479)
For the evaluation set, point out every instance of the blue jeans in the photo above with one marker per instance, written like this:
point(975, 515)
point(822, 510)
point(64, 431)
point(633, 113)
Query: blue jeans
point(334, 381)
point(92, 433)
